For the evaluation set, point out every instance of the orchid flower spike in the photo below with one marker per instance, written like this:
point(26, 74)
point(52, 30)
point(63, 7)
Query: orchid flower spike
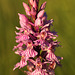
point(36, 42)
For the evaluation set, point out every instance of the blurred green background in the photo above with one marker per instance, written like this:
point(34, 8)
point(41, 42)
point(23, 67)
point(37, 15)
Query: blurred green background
point(63, 13)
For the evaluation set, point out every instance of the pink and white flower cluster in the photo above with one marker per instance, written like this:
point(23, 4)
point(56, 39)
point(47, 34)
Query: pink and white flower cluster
point(36, 42)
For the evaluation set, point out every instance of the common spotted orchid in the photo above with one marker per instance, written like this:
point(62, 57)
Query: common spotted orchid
point(36, 42)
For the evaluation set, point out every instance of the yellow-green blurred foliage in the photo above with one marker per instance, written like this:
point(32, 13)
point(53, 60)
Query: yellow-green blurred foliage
point(63, 13)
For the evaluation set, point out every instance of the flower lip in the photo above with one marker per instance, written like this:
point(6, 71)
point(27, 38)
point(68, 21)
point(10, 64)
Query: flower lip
point(52, 65)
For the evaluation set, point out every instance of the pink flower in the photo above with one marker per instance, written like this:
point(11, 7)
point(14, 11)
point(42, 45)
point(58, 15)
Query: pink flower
point(31, 2)
point(38, 42)
point(40, 14)
point(35, 4)
point(23, 20)
point(38, 65)
point(19, 45)
point(39, 72)
point(38, 22)
point(33, 11)
point(22, 38)
point(27, 9)
point(29, 44)
point(21, 64)
point(24, 57)
point(43, 34)
point(43, 6)
point(51, 56)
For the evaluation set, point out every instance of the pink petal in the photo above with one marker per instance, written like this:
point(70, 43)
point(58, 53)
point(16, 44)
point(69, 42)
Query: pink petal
point(38, 72)
point(19, 45)
point(40, 14)
point(27, 9)
point(16, 66)
point(22, 64)
point(35, 4)
point(33, 11)
point(38, 22)
point(43, 6)
point(33, 53)
point(31, 2)
point(51, 56)
point(23, 18)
